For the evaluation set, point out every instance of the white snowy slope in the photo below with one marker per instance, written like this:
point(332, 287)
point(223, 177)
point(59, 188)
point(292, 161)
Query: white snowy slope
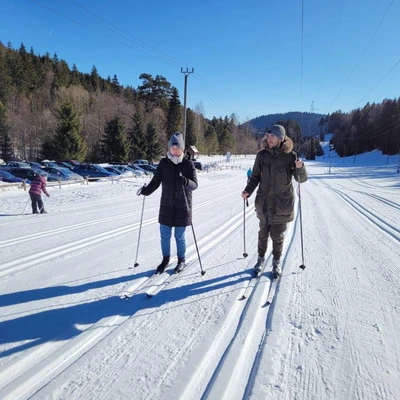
point(331, 331)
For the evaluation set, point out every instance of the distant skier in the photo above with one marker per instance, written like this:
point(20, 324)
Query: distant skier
point(35, 193)
point(178, 178)
point(273, 169)
point(249, 172)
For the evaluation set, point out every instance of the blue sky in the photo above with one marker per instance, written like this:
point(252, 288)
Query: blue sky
point(247, 55)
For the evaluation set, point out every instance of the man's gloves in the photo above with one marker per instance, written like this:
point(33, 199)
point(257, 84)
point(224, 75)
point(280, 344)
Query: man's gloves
point(47, 195)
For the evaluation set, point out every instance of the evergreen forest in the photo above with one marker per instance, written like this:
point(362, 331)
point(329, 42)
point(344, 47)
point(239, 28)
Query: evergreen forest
point(49, 110)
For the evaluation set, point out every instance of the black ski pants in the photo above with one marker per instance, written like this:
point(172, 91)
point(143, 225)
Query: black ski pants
point(276, 232)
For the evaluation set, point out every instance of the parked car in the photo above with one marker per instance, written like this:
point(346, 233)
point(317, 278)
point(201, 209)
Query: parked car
point(113, 169)
point(26, 173)
point(47, 163)
point(141, 162)
point(16, 164)
point(65, 164)
point(139, 170)
point(34, 164)
point(5, 176)
point(198, 165)
point(92, 171)
point(148, 167)
point(124, 169)
point(72, 162)
point(64, 174)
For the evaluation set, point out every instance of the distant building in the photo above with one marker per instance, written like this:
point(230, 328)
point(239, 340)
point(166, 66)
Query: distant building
point(192, 152)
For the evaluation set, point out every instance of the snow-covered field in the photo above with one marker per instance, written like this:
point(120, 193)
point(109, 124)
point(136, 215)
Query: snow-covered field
point(332, 331)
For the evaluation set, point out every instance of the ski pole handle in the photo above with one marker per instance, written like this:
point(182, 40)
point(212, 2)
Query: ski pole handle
point(138, 193)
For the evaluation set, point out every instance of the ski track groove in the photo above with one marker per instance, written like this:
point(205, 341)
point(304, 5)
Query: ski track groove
point(242, 355)
point(353, 386)
point(70, 228)
point(62, 355)
point(377, 221)
point(234, 222)
point(20, 264)
point(388, 202)
point(305, 322)
point(235, 357)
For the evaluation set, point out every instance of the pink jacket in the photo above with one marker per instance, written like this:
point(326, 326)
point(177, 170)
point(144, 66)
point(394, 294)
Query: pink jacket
point(38, 185)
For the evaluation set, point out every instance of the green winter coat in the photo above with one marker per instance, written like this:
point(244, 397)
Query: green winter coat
point(272, 173)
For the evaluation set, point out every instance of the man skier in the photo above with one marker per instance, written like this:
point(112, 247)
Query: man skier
point(273, 169)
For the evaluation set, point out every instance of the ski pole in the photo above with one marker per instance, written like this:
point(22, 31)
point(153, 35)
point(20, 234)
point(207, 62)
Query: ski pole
point(23, 212)
point(194, 235)
point(302, 266)
point(140, 227)
point(198, 253)
point(245, 203)
point(41, 208)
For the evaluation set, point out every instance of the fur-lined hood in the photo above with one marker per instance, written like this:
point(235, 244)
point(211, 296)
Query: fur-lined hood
point(287, 144)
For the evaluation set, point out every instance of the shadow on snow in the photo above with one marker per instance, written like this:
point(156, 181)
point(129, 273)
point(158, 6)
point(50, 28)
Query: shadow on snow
point(61, 323)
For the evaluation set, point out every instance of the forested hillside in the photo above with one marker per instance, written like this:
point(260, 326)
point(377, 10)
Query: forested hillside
point(309, 122)
point(49, 110)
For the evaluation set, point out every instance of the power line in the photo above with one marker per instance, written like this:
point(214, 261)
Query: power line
point(330, 50)
point(387, 73)
point(211, 94)
point(100, 33)
point(353, 108)
point(158, 54)
point(362, 54)
point(164, 55)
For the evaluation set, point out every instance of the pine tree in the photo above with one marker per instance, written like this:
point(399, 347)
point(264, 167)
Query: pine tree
point(154, 91)
point(67, 143)
point(153, 146)
point(321, 125)
point(174, 118)
point(74, 79)
point(312, 148)
point(116, 88)
point(137, 137)
point(5, 140)
point(227, 141)
point(106, 85)
point(211, 140)
point(95, 79)
point(114, 144)
point(95, 155)
point(5, 78)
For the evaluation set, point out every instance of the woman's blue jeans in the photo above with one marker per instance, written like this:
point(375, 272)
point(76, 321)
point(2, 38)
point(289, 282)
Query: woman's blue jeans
point(179, 233)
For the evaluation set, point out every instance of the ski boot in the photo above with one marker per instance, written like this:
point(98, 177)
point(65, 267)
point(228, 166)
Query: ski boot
point(164, 264)
point(260, 262)
point(180, 266)
point(276, 268)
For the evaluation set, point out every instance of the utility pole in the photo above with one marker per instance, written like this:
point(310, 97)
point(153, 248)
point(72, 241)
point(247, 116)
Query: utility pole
point(186, 73)
point(330, 159)
point(312, 108)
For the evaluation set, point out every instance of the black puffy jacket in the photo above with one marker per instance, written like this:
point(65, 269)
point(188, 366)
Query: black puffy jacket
point(176, 199)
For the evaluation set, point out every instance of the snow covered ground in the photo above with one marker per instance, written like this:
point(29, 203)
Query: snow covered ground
point(330, 333)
